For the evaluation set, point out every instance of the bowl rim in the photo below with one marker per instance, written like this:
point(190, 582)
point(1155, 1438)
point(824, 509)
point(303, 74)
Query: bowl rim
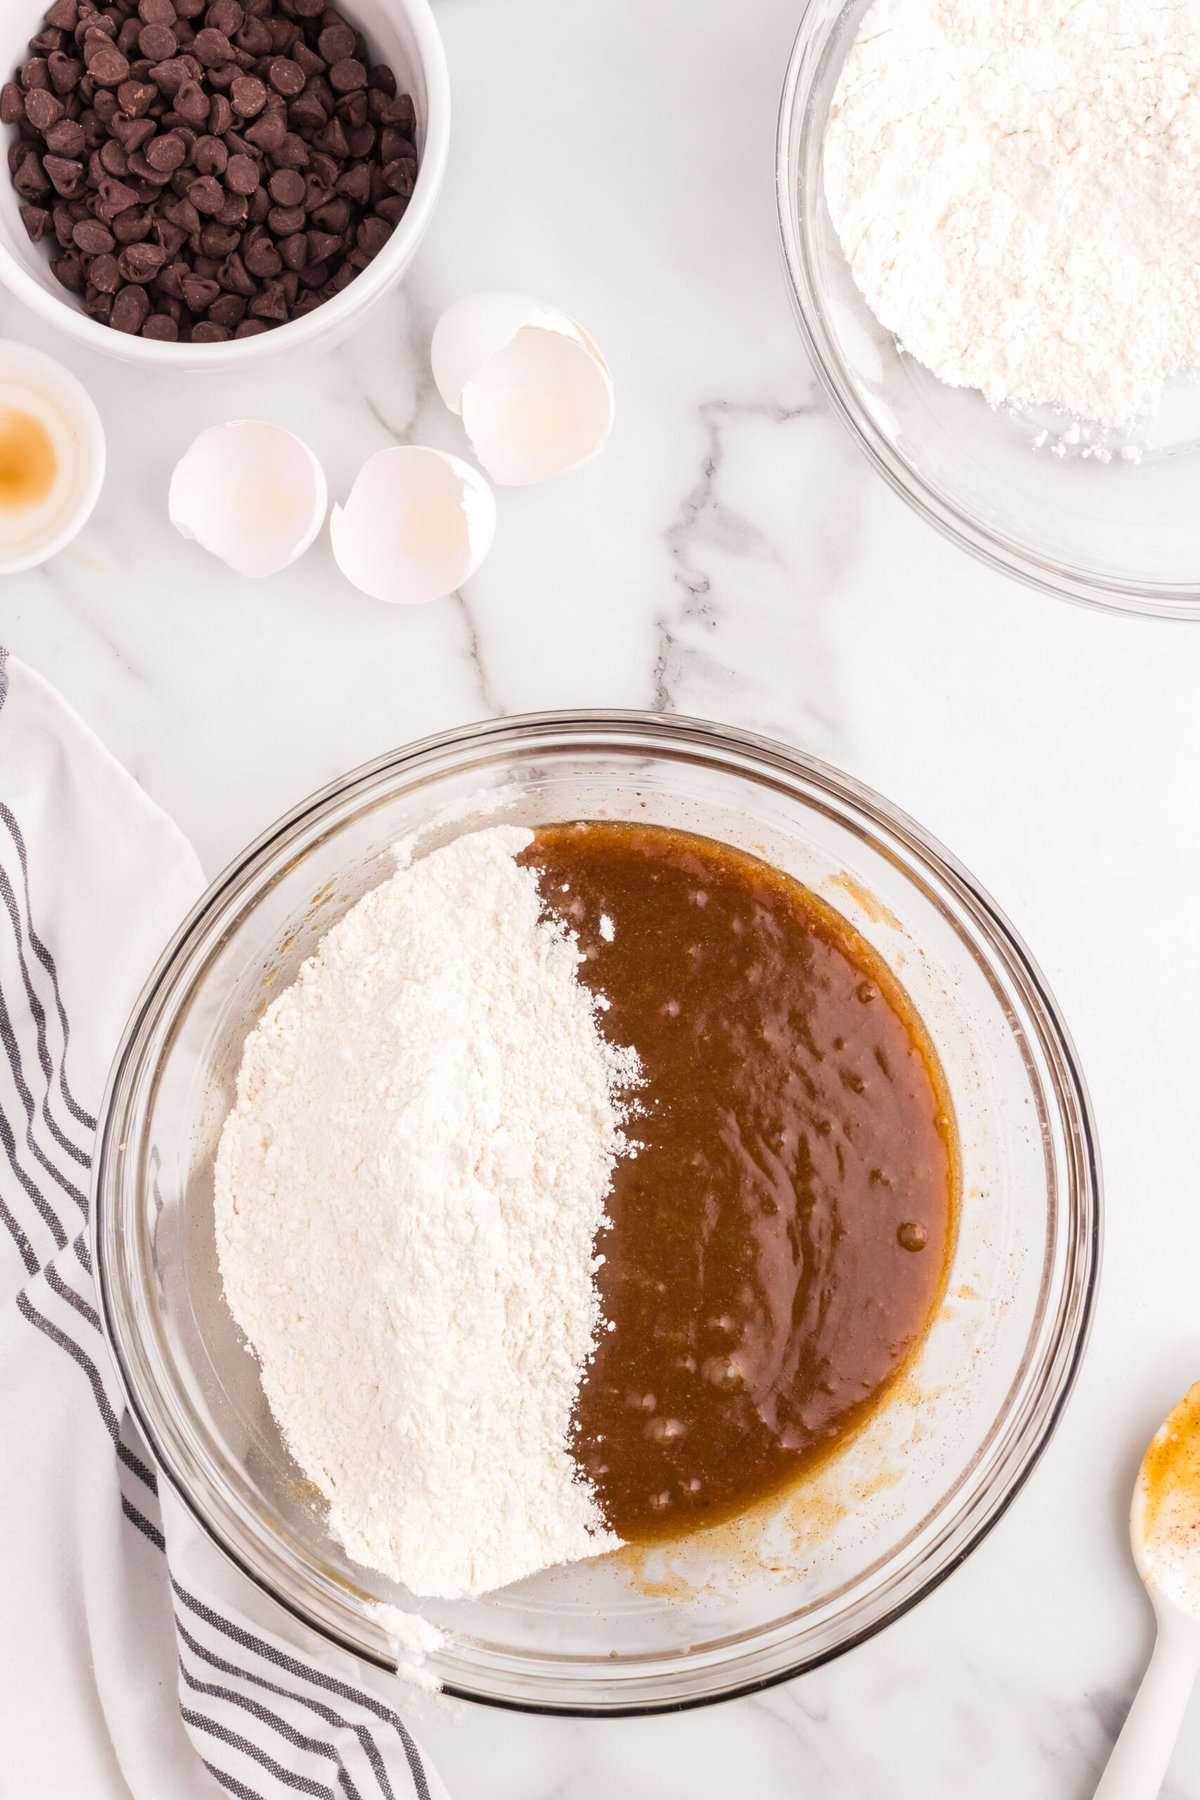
point(1084, 1192)
point(379, 275)
point(1176, 601)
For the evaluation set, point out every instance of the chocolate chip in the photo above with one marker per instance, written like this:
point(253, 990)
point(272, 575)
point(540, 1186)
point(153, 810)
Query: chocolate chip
point(220, 116)
point(206, 332)
point(158, 42)
point(400, 176)
point(64, 226)
point(104, 274)
point(336, 43)
point(228, 311)
point(29, 177)
point(287, 187)
point(234, 275)
point(270, 304)
point(286, 76)
point(219, 240)
point(293, 153)
point(247, 96)
point(309, 113)
point(135, 134)
point(107, 66)
point(234, 211)
point(12, 104)
point(36, 221)
point(34, 74)
point(93, 237)
point(322, 245)
point(161, 327)
point(141, 262)
point(132, 225)
point(183, 214)
point(294, 250)
point(171, 237)
point(355, 184)
point(171, 278)
point(261, 257)
point(372, 235)
point(68, 269)
point(136, 98)
point(206, 194)
point(171, 75)
point(393, 208)
point(64, 14)
point(226, 16)
point(241, 174)
point(114, 197)
point(65, 72)
point(209, 155)
point(332, 141)
point(199, 294)
point(394, 146)
point(191, 103)
point(352, 108)
point(130, 310)
point(65, 172)
point(167, 153)
point(347, 75)
point(268, 132)
point(401, 113)
point(283, 220)
point(334, 217)
point(43, 109)
point(212, 48)
point(156, 12)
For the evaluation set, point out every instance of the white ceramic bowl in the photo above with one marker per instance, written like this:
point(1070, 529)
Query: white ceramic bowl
point(401, 33)
point(33, 382)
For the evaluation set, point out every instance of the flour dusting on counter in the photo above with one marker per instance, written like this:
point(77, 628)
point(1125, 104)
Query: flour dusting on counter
point(407, 1195)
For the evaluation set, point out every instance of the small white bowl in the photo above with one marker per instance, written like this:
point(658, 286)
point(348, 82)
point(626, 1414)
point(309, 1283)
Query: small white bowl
point(401, 33)
point(32, 382)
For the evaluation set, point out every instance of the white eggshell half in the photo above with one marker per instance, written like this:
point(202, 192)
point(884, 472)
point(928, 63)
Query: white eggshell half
point(251, 493)
point(533, 391)
point(416, 525)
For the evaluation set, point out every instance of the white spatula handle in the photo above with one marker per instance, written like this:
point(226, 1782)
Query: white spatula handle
point(1142, 1752)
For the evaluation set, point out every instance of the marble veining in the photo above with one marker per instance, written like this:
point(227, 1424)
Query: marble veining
point(733, 555)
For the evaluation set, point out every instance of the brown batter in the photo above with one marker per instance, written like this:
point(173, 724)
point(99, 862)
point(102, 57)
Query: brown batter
point(779, 1241)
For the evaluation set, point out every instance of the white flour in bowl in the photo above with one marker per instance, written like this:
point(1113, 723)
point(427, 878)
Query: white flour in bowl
point(1016, 187)
point(407, 1195)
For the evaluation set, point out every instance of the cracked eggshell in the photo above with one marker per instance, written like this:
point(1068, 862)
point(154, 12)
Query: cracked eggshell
point(533, 391)
point(251, 493)
point(416, 525)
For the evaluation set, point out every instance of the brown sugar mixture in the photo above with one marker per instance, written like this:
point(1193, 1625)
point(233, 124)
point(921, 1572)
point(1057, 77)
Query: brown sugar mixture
point(780, 1239)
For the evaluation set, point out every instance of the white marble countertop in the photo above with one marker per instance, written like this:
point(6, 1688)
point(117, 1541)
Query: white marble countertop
point(731, 555)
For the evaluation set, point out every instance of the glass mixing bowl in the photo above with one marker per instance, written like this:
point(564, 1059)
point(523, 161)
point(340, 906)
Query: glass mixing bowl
point(1118, 534)
point(820, 1567)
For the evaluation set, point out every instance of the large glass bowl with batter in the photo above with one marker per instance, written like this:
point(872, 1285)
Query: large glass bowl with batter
point(1117, 534)
point(852, 1546)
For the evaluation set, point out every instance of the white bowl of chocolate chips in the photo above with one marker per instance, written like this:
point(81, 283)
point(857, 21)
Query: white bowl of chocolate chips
point(199, 183)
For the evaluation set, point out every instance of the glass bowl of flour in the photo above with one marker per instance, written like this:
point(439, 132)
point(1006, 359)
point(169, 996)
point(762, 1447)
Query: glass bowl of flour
point(824, 1563)
point(1031, 233)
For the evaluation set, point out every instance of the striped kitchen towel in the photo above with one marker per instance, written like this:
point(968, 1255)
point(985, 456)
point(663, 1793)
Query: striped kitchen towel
point(133, 1659)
